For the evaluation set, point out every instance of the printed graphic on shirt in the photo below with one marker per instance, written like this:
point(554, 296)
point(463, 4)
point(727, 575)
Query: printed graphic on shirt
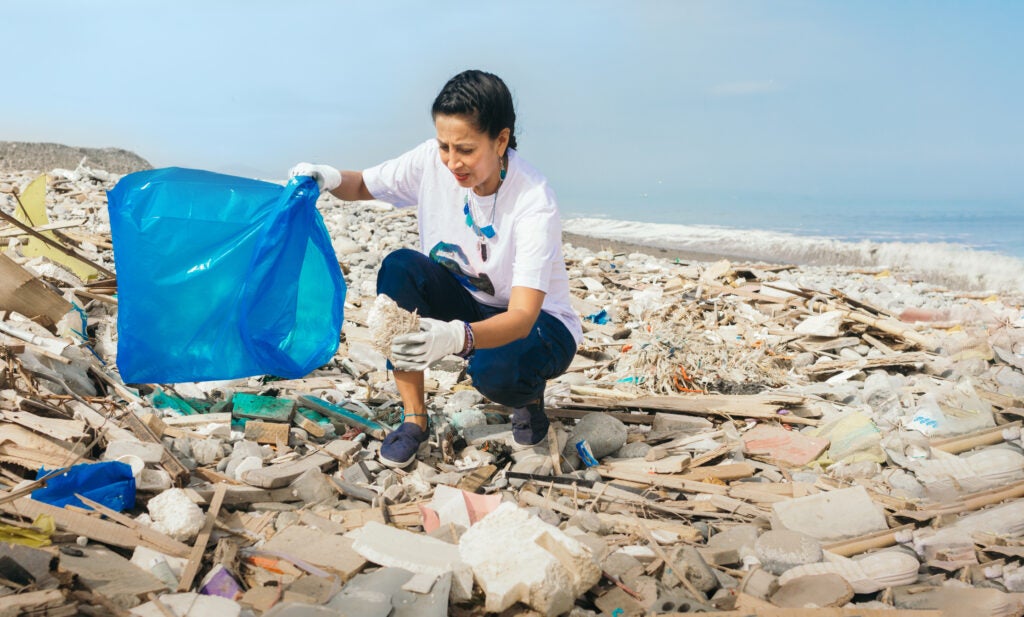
point(453, 258)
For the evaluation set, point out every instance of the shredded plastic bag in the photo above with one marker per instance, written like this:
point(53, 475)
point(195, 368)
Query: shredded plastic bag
point(110, 483)
point(222, 277)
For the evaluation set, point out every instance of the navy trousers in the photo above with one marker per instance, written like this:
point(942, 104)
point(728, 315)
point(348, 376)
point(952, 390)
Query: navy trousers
point(513, 374)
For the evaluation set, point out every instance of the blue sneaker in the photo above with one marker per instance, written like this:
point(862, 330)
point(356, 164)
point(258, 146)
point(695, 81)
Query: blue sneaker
point(401, 445)
point(529, 425)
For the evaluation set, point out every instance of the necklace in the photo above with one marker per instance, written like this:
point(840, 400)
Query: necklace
point(483, 234)
point(469, 207)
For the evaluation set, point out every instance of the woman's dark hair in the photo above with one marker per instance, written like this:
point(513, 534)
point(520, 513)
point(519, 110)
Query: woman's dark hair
point(481, 97)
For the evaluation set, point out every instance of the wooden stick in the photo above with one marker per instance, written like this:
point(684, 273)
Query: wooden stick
point(196, 558)
point(57, 245)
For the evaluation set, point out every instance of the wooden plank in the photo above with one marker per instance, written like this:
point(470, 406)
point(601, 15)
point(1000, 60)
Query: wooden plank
point(196, 557)
point(61, 430)
point(968, 503)
point(97, 529)
point(837, 366)
point(330, 552)
point(670, 464)
point(472, 481)
point(273, 433)
point(673, 482)
point(22, 292)
point(861, 544)
point(759, 406)
point(170, 463)
point(277, 476)
point(107, 574)
point(33, 603)
point(22, 447)
point(725, 472)
point(12, 232)
point(963, 443)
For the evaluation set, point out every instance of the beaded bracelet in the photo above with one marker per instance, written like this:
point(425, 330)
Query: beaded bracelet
point(470, 344)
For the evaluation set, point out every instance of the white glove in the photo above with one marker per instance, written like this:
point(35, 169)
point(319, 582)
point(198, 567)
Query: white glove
point(327, 177)
point(435, 340)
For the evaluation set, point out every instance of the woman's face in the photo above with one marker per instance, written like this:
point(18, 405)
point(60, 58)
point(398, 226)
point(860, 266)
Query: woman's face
point(471, 155)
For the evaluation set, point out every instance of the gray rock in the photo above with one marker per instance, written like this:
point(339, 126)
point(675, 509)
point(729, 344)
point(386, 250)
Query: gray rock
point(637, 449)
point(781, 550)
point(741, 538)
point(688, 562)
point(816, 590)
point(604, 433)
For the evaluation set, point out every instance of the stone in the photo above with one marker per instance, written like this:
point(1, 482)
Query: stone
point(604, 433)
point(384, 593)
point(816, 590)
point(827, 324)
point(780, 550)
point(740, 538)
point(830, 516)
point(637, 449)
point(688, 562)
point(312, 486)
point(872, 573)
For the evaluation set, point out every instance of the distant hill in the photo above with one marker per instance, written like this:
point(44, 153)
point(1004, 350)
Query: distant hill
point(19, 156)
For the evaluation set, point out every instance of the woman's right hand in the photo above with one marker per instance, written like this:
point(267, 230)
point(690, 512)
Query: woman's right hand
point(327, 178)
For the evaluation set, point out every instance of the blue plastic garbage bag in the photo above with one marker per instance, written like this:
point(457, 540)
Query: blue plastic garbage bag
point(110, 483)
point(221, 277)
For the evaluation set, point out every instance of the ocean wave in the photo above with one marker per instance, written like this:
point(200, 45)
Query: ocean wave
point(953, 265)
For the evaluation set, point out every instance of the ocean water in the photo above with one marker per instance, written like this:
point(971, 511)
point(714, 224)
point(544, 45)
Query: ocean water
point(978, 247)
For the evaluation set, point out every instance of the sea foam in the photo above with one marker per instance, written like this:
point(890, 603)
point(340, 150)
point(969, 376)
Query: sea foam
point(953, 265)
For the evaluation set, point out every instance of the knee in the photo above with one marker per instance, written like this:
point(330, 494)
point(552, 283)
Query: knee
point(397, 268)
point(502, 381)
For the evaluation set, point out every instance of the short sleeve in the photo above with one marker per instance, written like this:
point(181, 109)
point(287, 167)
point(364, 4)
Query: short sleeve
point(538, 242)
point(398, 181)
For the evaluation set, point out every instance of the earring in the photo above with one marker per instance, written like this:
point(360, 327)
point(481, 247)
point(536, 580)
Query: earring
point(501, 174)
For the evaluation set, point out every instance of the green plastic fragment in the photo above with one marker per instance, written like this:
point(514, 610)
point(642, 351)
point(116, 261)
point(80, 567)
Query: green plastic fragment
point(267, 408)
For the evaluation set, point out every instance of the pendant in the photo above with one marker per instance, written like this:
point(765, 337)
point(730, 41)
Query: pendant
point(481, 248)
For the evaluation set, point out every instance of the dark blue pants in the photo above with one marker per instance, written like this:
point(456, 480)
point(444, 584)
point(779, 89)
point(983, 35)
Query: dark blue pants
point(513, 374)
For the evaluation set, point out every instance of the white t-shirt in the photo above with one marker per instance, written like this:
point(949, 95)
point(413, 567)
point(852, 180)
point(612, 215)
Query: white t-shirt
point(526, 250)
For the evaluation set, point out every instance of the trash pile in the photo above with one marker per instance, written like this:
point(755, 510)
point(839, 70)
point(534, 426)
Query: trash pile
point(735, 439)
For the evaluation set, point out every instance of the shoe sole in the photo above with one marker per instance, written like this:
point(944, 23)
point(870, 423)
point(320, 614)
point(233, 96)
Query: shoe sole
point(396, 464)
point(519, 447)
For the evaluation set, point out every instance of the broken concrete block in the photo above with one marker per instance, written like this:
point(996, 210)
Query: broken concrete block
point(547, 571)
point(835, 515)
point(779, 550)
point(416, 553)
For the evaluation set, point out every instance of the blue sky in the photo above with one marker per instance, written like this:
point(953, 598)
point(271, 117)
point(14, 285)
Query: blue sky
point(690, 104)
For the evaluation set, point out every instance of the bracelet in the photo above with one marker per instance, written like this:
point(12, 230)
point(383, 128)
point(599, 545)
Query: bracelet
point(470, 345)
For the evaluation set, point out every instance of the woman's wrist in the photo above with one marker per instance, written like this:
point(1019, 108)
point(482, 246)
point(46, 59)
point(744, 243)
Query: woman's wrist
point(470, 345)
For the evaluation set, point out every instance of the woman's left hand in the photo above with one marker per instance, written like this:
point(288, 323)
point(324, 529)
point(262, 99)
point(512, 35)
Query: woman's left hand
point(435, 340)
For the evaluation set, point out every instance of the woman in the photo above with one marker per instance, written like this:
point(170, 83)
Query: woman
point(489, 281)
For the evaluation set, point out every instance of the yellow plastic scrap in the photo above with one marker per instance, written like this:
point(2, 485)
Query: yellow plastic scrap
point(854, 438)
point(32, 212)
point(37, 535)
